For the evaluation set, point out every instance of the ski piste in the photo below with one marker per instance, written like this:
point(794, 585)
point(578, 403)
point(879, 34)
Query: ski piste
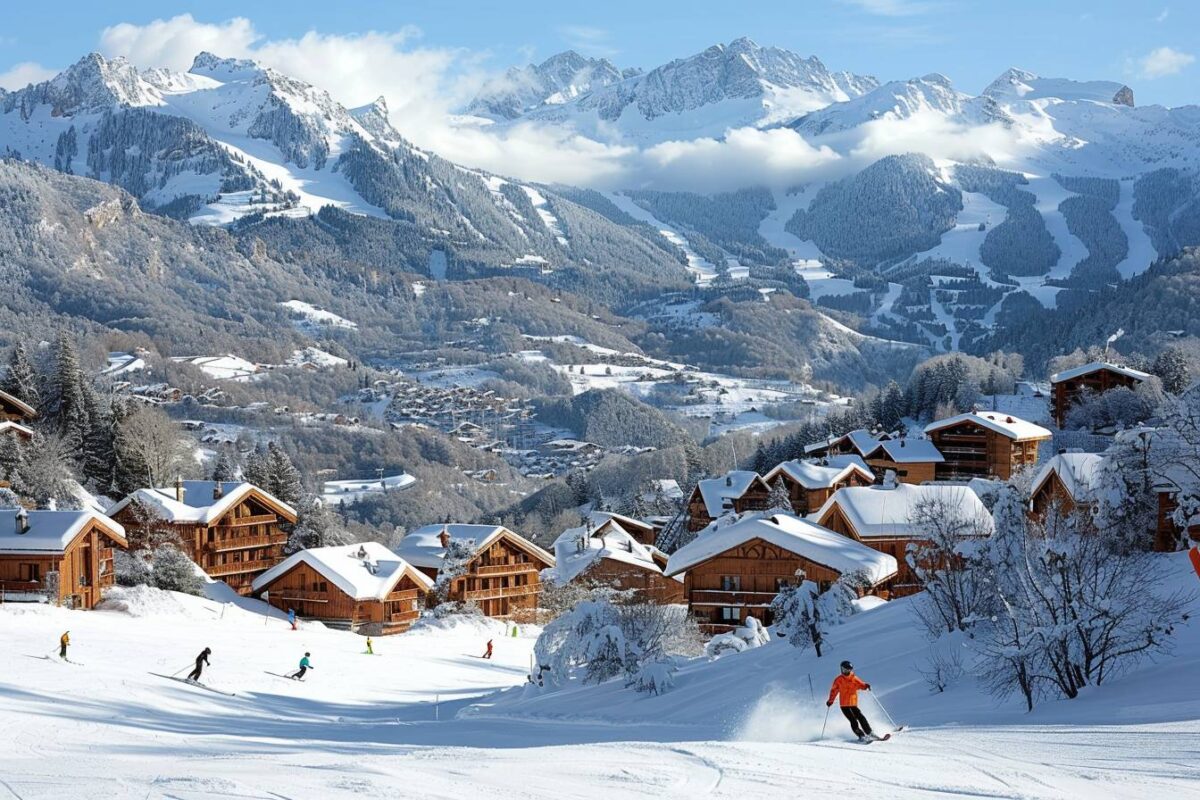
point(884, 738)
point(197, 684)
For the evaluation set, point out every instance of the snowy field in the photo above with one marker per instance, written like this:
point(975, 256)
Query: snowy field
point(421, 719)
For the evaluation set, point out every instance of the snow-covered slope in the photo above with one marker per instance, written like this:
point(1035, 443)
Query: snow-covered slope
point(559, 79)
point(725, 86)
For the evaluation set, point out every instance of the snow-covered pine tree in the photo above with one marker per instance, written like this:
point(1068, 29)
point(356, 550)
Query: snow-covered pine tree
point(226, 467)
point(11, 459)
point(67, 401)
point(99, 444)
point(21, 380)
point(459, 553)
point(257, 470)
point(283, 479)
point(174, 571)
point(1171, 366)
point(778, 498)
point(891, 407)
point(316, 526)
point(46, 476)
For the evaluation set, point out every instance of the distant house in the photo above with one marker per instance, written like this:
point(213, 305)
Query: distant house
point(912, 460)
point(15, 410)
point(886, 518)
point(234, 531)
point(608, 554)
point(10, 428)
point(359, 587)
point(67, 555)
point(809, 484)
point(858, 442)
point(984, 444)
point(734, 492)
point(1096, 377)
point(503, 575)
point(642, 531)
point(734, 570)
point(1068, 481)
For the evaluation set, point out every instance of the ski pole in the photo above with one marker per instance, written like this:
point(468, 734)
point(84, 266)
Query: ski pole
point(885, 711)
point(176, 672)
point(826, 722)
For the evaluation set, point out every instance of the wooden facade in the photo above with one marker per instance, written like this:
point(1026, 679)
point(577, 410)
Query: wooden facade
point(84, 567)
point(905, 583)
point(1065, 393)
point(973, 450)
point(14, 410)
point(245, 541)
point(313, 595)
point(743, 581)
point(915, 472)
point(805, 500)
point(753, 498)
point(648, 586)
point(504, 577)
point(1050, 493)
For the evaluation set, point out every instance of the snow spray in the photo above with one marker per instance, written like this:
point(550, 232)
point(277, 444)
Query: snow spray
point(781, 715)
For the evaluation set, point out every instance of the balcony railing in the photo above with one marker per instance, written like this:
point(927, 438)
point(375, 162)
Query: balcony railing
point(508, 591)
point(236, 567)
point(256, 519)
point(242, 542)
point(505, 569)
point(20, 586)
point(719, 597)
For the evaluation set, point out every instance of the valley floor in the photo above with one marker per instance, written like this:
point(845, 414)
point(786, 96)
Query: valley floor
point(390, 725)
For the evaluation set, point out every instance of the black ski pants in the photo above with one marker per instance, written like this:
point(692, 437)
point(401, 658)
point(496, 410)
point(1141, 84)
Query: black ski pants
point(858, 723)
point(298, 674)
point(194, 675)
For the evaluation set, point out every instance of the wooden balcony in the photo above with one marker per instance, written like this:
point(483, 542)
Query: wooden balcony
point(20, 586)
point(238, 567)
point(299, 594)
point(496, 594)
point(220, 545)
point(505, 569)
point(718, 597)
point(241, 522)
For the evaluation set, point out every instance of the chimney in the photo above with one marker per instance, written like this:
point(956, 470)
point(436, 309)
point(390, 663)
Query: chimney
point(1009, 420)
point(22, 520)
point(218, 490)
point(179, 490)
point(444, 537)
point(729, 480)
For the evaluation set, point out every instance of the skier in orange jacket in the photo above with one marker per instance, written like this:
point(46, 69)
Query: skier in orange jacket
point(847, 685)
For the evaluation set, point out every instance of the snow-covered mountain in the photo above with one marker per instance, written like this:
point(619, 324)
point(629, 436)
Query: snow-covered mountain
point(557, 80)
point(725, 86)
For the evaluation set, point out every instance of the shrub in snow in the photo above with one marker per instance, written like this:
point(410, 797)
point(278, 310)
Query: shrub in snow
point(174, 571)
point(803, 614)
point(131, 569)
point(943, 668)
point(459, 553)
point(655, 677)
point(8, 498)
point(452, 609)
point(750, 634)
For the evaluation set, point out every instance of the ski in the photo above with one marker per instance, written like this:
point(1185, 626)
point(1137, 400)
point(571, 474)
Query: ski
point(197, 684)
point(285, 677)
point(63, 661)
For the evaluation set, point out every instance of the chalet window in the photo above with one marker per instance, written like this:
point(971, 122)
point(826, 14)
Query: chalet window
point(324, 586)
point(731, 583)
point(31, 572)
point(731, 614)
point(212, 535)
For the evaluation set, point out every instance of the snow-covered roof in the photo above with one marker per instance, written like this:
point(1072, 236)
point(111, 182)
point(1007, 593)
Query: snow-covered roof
point(423, 547)
point(912, 451)
point(366, 571)
point(1004, 424)
point(1079, 473)
point(598, 518)
point(1096, 366)
point(50, 531)
point(730, 486)
point(888, 511)
point(578, 548)
point(845, 459)
point(860, 439)
point(353, 490)
point(802, 537)
point(8, 426)
point(811, 475)
point(26, 409)
point(198, 504)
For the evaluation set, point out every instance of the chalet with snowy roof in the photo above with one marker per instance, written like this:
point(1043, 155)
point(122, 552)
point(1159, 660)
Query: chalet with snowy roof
point(911, 460)
point(501, 578)
point(809, 484)
point(734, 570)
point(858, 442)
point(64, 557)
point(1066, 481)
point(984, 444)
point(1093, 378)
point(15, 410)
point(364, 588)
point(233, 530)
point(608, 554)
point(887, 518)
point(732, 493)
point(10, 428)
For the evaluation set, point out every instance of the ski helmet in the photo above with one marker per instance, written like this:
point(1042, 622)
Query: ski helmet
point(847, 665)
point(306, 655)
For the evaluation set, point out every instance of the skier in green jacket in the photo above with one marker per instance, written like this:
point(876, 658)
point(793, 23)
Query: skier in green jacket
point(305, 666)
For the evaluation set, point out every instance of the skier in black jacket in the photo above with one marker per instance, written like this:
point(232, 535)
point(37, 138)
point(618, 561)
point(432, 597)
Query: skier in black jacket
point(201, 663)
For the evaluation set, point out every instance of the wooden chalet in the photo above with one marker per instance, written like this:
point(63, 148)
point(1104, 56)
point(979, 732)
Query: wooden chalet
point(984, 444)
point(809, 484)
point(13, 409)
point(858, 442)
point(910, 460)
point(734, 571)
point(10, 428)
point(364, 588)
point(887, 518)
point(503, 576)
point(234, 531)
point(1094, 378)
point(64, 557)
point(732, 493)
point(605, 552)
point(1067, 481)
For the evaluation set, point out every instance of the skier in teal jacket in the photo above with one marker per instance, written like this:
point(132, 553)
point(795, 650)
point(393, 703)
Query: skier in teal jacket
point(305, 666)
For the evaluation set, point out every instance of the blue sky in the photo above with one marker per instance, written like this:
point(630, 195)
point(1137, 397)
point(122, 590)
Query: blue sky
point(1149, 46)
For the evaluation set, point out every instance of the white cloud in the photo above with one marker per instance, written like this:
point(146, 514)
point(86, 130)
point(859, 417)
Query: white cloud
point(892, 8)
point(21, 75)
point(935, 135)
point(1163, 61)
point(747, 156)
point(589, 40)
point(1162, 15)
point(173, 43)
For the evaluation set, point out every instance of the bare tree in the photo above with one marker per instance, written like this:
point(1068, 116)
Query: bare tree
point(152, 447)
point(943, 564)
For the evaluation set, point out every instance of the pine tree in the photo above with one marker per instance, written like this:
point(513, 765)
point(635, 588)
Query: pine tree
point(99, 445)
point(778, 498)
point(1171, 366)
point(283, 479)
point(226, 468)
point(67, 401)
point(891, 406)
point(21, 379)
point(11, 458)
point(174, 571)
point(316, 526)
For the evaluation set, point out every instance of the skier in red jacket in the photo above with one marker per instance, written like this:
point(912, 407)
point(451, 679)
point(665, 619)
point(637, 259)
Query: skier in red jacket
point(488, 654)
point(847, 686)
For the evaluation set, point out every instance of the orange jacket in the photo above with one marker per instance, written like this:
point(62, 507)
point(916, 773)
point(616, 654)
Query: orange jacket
point(847, 686)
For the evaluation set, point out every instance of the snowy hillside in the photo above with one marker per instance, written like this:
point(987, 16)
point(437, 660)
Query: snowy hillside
point(416, 720)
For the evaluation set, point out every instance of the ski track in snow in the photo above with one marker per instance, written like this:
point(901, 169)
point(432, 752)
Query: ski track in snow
point(702, 268)
point(786, 206)
point(1141, 251)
